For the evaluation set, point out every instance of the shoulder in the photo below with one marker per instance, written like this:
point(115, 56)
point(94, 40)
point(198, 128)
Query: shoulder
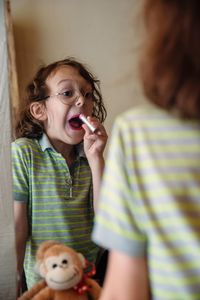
point(143, 117)
point(25, 143)
point(25, 146)
point(142, 113)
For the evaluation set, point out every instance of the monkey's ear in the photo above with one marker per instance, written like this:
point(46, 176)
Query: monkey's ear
point(42, 270)
point(39, 268)
point(38, 111)
point(82, 259)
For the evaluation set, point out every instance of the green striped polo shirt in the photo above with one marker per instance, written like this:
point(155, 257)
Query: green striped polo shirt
point(59, 199)
point(150, 199)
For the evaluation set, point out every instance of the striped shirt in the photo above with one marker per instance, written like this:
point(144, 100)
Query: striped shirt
point(59, 199)
point(150, 199)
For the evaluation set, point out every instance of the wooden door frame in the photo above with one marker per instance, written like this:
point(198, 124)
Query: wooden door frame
point(7, 235)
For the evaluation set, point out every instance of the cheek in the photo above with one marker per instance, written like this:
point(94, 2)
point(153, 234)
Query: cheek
point(89, 107)
point(56, 112)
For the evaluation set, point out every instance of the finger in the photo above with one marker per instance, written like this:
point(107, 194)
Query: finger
point(87, 130)
point(101, 130)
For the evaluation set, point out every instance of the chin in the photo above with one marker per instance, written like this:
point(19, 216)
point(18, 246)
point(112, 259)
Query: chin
point(76, 140)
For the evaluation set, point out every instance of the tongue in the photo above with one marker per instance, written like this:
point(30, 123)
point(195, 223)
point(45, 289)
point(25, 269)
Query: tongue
point(75, 123)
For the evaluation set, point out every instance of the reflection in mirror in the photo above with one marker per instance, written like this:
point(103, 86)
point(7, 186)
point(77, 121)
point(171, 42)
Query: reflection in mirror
point(98, 33)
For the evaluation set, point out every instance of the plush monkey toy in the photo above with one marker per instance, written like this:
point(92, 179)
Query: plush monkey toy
point(63, 271)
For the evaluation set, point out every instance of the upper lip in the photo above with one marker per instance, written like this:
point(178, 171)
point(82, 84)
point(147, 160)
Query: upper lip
point(74, 116)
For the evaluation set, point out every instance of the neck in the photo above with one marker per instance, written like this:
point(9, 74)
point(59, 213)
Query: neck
point(67, 151)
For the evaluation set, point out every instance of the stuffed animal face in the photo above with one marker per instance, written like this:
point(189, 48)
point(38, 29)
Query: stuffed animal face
point(61, 267)
point(60, 272)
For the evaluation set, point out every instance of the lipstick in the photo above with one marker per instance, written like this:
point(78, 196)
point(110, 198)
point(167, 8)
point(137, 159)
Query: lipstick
point(85, 120)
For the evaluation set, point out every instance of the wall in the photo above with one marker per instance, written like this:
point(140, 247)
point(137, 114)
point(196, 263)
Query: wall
point(102, 34)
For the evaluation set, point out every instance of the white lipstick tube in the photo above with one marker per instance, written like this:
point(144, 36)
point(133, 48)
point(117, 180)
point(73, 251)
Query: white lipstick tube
point(85, 120)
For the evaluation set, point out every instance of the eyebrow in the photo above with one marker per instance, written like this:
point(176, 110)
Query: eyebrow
point(71, 80)
point(64, 80)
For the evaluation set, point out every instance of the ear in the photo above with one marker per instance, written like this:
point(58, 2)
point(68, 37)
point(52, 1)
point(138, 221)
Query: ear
point(38, 111)
point(39, 268)
point(82, 259)
point(42, 270)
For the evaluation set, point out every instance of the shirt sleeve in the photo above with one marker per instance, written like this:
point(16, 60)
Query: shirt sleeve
point(20, 171)
point(117, 223)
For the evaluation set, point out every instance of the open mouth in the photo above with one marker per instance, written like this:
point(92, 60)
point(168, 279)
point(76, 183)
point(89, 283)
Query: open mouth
point(75, 123)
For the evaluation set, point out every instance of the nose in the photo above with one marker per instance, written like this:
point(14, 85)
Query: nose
point(80, 100)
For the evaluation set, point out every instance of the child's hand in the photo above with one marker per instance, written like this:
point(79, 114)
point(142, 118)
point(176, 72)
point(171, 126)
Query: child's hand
point(94, 143)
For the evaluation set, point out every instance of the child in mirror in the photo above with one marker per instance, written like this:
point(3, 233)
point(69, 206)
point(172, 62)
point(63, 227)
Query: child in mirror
point(57, 162)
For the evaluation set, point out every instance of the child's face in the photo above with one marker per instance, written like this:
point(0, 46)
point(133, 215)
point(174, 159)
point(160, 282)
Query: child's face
point(70, 95)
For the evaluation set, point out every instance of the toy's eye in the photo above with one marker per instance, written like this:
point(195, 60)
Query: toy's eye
point(65, 262)
point(54, 266)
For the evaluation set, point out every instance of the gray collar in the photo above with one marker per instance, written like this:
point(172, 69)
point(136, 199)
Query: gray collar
point(45, 144)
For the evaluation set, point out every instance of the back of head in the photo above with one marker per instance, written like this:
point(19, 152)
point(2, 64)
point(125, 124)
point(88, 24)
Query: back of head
point(170, 66)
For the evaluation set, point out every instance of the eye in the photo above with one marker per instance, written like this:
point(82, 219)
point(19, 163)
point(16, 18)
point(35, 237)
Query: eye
point(54, 266)
point(68, 93)
point(89, 95)
point(64, 262)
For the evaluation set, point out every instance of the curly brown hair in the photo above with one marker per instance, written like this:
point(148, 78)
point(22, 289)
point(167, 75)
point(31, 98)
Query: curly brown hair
point(27, 125)
point(170, 66)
